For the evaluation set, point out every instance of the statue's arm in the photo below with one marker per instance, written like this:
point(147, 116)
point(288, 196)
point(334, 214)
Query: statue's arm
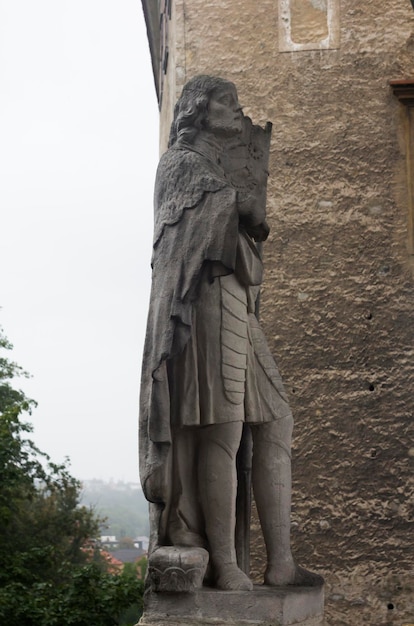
point(251, 207)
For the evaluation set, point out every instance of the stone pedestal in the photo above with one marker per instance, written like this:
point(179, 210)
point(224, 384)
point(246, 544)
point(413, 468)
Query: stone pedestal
point(264, 606)
point(177, 570)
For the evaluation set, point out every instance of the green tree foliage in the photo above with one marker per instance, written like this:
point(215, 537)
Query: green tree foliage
point(43, 529)
point(89, 597)
point(49, 572)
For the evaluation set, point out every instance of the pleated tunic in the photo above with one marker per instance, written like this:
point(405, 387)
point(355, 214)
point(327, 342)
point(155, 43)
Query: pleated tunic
point(219, 378)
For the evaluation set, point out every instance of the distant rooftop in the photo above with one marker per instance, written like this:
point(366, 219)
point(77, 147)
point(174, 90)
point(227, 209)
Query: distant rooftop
point(128, 555)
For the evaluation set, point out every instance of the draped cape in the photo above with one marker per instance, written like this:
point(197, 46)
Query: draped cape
point(195, 230)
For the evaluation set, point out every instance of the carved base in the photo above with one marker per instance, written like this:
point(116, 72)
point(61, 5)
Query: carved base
point(264, 606)
point(179, 570)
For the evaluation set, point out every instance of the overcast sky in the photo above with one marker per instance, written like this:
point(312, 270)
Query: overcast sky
point(78, 153)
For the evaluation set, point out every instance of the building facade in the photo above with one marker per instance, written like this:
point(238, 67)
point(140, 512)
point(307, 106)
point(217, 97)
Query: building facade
point(336, 78)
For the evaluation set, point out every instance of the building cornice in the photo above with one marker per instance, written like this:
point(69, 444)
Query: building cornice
point(152, 19)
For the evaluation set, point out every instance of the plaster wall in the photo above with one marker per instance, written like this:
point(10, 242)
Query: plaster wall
point(338, 301)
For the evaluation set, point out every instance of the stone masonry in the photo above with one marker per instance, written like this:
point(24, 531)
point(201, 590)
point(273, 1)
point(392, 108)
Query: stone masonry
point(337, 305)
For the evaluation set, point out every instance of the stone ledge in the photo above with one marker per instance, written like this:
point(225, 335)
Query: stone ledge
point(404, 90)
point(264, 606)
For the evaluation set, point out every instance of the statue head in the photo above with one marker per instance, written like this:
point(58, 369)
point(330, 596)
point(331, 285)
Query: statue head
point(206, 103)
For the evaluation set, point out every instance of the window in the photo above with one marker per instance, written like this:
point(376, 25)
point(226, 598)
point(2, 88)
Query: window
point(308, 25)
point(404, 90)
point(165, 16)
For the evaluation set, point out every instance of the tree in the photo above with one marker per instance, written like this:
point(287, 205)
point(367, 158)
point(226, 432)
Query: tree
point(126, 543)
point(43, 528)
point(49, 574)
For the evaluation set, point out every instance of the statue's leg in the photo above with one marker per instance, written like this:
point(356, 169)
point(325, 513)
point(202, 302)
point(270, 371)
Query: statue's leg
point(185, 519)
point(271, 476)
point(217, 481)
point(272, 486)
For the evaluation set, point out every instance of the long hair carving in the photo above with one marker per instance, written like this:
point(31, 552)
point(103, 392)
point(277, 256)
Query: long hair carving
point(191, 110)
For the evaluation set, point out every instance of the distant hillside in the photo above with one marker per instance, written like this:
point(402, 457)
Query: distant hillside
point(123, 504)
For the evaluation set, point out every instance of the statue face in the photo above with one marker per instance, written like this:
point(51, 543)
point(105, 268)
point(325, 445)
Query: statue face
point(225, 116)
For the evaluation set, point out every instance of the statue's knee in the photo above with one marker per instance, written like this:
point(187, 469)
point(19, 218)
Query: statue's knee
point(225, 437)
point(278, 432)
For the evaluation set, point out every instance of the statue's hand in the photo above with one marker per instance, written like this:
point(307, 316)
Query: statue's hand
point(251, 205)
point(258, 232)
point(252, 214)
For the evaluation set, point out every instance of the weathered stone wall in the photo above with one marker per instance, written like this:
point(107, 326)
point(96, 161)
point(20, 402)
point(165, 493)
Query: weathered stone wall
point(338, 300)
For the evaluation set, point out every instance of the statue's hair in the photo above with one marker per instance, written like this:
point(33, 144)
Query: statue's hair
point(191, 110)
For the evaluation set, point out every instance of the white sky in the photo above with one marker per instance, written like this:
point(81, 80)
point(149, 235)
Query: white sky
point(78, 153)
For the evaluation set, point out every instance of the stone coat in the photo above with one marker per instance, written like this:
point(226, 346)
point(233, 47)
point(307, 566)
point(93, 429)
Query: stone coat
point(197, 242)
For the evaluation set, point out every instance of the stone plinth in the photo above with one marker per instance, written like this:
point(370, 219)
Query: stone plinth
point(264, 606)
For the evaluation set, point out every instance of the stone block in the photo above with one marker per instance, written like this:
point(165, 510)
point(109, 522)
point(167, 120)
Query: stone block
point(264, 606)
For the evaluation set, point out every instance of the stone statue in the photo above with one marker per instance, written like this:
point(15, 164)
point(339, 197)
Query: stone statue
point(207, 368)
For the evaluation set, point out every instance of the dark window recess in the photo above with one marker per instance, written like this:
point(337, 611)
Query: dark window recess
point(165, 16)
point(404, 91)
